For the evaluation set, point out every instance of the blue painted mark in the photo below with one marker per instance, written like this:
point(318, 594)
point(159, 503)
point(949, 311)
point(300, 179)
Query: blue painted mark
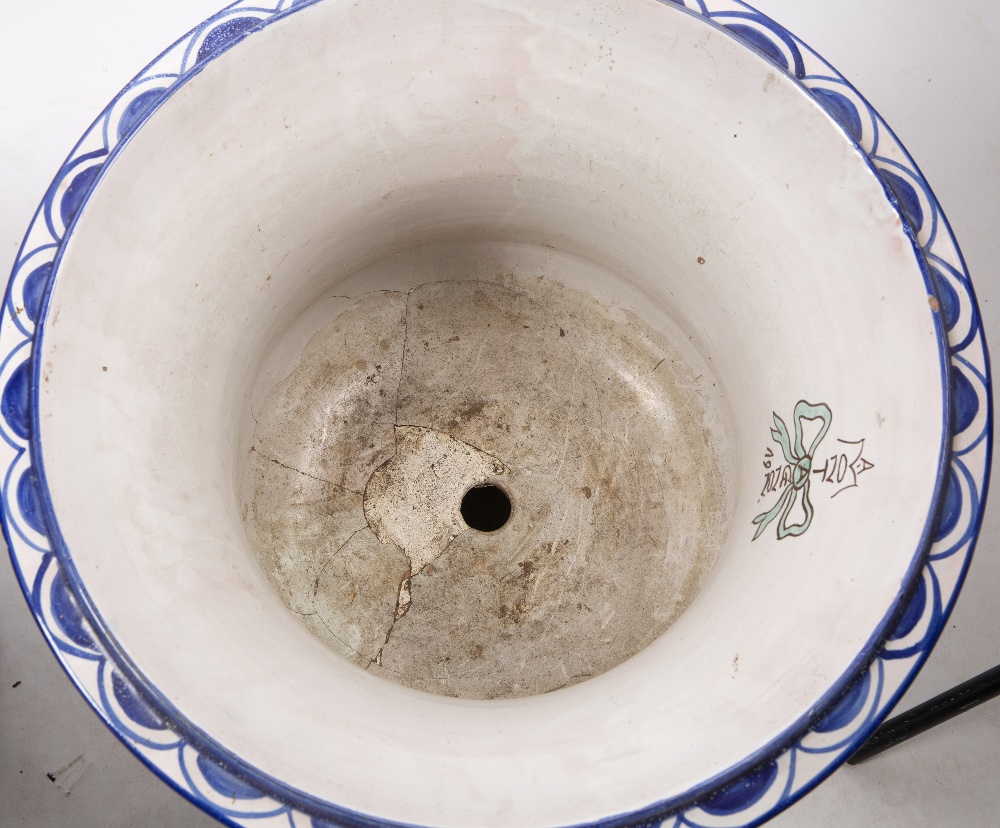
point(743, 793)
point(15, 403)
point(68, 615)
point(964, 400)
point(950, 305)
point(29, 500)
point(842, 110)
point(33, 292)
point(316, 822)
point(847, 709)
point(909, 201)
point(224, 782)
point(224, 34)
point(759, 41)
point(136, 109)
point(135, 706)
point(912, 614)
point(951, 507)
point(73, 197)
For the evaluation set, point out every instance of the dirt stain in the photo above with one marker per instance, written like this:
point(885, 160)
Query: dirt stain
point(571, 585)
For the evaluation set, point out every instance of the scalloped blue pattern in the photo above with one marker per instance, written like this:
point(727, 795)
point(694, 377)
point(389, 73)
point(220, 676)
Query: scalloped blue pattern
point(242, 796)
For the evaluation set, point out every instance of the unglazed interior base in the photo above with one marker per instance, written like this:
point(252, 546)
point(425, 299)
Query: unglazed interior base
point(607, 434)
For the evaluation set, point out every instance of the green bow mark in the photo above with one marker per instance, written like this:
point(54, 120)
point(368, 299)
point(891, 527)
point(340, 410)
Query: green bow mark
point(801, 461)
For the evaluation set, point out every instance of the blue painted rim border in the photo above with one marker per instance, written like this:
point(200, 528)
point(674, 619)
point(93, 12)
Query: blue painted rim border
point(774, 44)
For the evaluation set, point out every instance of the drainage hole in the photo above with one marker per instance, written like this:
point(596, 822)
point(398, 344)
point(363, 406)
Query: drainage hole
point(486, 508)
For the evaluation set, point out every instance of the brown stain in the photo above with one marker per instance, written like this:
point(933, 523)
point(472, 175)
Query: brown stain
point(471, 409)
point(933, 302)
point(514, 613)
point(578, 581)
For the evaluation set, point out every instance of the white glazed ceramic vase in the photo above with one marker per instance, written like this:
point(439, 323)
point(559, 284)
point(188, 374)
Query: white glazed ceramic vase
point(655, 272)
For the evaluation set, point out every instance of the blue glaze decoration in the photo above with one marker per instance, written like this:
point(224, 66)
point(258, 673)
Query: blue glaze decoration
point(761, 42)
point(34, 289)
point(964, 400)
point(948, 300)
point(15, 403)
point(225, 782)
point(951, 508)
point(842, 110)
point(224, 35)
point(847, 709)
point(931, 622)
point(761, 34)
point(909, 201)
point(137, 709)
point(137, 109)
point(30, 500)
point(73, 197)
point(746, 791)
point(68, 615)
point(912, 614)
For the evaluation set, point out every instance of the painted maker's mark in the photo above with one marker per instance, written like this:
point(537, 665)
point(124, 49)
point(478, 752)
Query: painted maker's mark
point(842, 470)
point(797, 468)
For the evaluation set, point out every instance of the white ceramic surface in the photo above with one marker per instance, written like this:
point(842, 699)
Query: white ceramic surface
point(741, 320)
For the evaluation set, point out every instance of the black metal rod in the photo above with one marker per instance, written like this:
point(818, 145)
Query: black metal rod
point(925, 716)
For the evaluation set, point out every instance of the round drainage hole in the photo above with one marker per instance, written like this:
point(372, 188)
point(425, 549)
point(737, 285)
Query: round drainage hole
point(486, 508)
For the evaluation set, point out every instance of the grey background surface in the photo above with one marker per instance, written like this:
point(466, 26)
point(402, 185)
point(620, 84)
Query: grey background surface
point(930, 68)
